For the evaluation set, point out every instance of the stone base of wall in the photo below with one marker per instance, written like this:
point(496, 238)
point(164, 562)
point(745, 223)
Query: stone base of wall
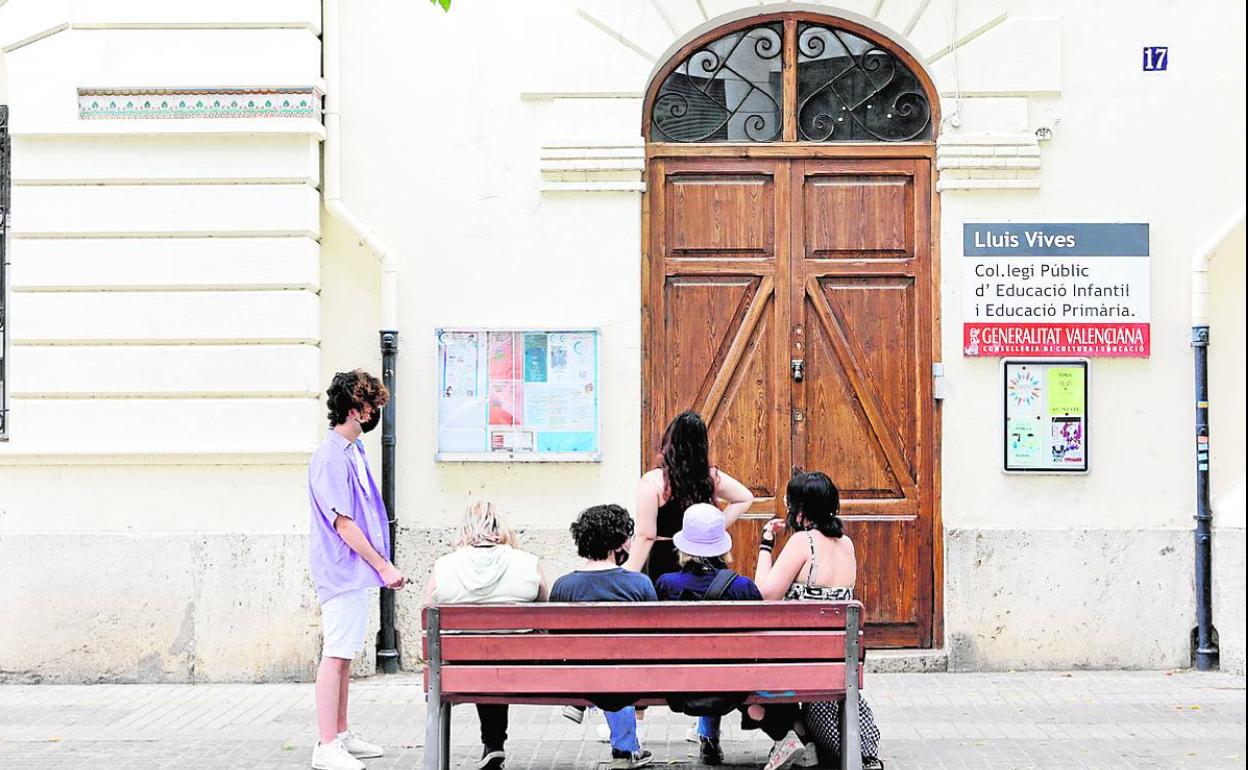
point(104, 607)
point(231, 607)
point(1061, 599)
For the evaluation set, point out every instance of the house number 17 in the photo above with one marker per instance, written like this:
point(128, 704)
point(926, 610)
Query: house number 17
point(1156, 58)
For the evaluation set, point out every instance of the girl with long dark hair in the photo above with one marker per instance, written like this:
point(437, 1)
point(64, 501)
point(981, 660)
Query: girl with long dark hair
point(817, 564)
point(684, 477)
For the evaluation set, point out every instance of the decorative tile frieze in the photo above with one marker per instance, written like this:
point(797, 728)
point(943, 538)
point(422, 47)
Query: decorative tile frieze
point(990, 161)
point(211, 103)
point(598, 168)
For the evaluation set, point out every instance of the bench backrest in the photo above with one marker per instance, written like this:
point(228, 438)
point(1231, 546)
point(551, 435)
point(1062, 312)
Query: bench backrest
point(651, 648)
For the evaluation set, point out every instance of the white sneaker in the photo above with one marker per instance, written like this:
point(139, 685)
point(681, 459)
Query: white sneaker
point(691, 735)
point(808, 758)
point(784, 752)
point(334, 756)
point(357, 746)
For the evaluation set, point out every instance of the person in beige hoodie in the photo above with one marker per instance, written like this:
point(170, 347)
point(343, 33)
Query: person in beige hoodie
point(487, 566)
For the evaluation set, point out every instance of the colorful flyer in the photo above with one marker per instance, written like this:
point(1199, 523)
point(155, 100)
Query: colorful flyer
point(1024, 442)
point(1065, 388)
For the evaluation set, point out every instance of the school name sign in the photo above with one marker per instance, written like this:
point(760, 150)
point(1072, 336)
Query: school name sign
point(1055, 289)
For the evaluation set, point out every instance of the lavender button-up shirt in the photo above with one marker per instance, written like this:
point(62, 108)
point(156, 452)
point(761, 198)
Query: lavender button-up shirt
point(335, 487)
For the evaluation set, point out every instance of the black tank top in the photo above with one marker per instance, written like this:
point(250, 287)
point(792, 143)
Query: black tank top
point(664, 557)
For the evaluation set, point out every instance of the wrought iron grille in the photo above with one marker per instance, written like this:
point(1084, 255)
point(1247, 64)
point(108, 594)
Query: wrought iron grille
point(727, 91)
point(849, 89)
point(4, 263)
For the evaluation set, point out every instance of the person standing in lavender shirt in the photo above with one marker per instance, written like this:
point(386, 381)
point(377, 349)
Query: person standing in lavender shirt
point(349, 558)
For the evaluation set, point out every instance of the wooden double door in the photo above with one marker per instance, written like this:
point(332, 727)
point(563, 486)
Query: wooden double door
point(790, 301)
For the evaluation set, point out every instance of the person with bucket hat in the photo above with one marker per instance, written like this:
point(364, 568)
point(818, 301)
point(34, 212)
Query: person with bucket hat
point(704, 550)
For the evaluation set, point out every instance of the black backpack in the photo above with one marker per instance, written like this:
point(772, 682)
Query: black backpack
point(708, 704)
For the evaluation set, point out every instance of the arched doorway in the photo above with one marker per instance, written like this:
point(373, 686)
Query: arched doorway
point(789, 283)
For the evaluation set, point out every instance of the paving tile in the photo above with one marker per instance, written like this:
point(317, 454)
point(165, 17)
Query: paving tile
point(957, 721)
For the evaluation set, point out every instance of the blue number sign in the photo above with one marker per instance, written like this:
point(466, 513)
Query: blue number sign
point(1156, 58)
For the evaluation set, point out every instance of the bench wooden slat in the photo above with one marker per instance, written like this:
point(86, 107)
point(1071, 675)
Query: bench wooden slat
point(647, 616)
point(768, 645)
point(654, 678)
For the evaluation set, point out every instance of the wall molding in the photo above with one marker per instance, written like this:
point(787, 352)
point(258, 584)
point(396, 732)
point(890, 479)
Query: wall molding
point(593, 168)
point(989, 161)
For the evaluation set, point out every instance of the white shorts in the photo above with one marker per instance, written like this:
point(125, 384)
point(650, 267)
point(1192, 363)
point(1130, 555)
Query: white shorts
point(344, 620)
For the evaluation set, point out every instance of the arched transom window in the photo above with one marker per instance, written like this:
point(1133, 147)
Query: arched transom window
point(791, 79)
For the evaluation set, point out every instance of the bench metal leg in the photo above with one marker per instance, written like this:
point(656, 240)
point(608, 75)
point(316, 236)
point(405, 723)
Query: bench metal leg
point(851, 740)
point(433, 736)
point(436, 748)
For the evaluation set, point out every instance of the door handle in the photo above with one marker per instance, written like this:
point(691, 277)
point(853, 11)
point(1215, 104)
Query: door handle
point(798, 367)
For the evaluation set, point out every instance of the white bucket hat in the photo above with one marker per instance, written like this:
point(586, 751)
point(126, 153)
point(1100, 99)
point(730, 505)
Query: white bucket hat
point(703, 532)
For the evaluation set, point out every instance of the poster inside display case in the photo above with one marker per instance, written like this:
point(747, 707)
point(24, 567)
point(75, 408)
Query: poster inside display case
point(1046, 415)
point(518, 395)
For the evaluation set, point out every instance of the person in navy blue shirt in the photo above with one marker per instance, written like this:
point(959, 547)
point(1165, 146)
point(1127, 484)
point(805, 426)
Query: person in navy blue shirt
point(602, 534)
point(704, 549)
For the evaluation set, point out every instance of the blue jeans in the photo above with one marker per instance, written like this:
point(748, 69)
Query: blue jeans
point(623, 724)
point(708, 727)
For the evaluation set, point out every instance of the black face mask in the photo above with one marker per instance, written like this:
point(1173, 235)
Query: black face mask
point(372, 421)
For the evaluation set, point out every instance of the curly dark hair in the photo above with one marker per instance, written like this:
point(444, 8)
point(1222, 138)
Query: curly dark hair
point(601, 530)
point(685, 457)
point(813, 495)
point(354, 390)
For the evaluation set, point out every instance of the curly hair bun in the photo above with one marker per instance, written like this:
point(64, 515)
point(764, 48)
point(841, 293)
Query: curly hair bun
point(601, 530)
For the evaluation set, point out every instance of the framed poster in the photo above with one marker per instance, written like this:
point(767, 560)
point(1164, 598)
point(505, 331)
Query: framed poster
point(1045, 429)
point(518, 395)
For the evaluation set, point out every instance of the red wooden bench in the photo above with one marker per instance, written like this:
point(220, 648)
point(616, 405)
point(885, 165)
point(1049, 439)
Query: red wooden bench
point(782, 651)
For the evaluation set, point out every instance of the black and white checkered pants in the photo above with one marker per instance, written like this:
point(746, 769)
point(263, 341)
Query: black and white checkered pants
point(823, 725)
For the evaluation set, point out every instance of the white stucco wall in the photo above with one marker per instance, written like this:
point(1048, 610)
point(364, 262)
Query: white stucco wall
point(179, 302)
point(474, 96)
point(165, 327)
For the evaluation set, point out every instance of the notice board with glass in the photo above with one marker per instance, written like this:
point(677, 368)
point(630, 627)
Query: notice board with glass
point(1046, 415)
point(528, 395)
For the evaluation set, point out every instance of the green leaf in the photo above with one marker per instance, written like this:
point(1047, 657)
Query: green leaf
point(446, 4)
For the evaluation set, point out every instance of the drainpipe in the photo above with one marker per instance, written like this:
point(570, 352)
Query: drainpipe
point(331, 196)
point(1206, 645)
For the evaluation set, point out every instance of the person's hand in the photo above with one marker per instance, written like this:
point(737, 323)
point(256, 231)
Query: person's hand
point(391, 576)
point(772, 529)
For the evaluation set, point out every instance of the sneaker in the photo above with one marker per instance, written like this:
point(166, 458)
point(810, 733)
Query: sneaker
point(809, 757)
point(358, 747)
point(334, 756)
point(709, 751)
point(784, 752)
point(691, 735)
point(575, 713)
point(626, 760)
point(492, 759)
point(872, 763)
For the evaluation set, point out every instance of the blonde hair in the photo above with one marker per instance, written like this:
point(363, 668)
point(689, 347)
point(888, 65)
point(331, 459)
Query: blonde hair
point(705, 562)
point(483, 523)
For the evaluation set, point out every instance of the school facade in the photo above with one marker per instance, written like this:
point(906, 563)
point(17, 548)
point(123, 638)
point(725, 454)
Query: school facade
point(786, 216)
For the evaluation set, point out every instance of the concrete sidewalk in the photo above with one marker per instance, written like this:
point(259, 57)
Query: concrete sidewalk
point(1013, 720)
